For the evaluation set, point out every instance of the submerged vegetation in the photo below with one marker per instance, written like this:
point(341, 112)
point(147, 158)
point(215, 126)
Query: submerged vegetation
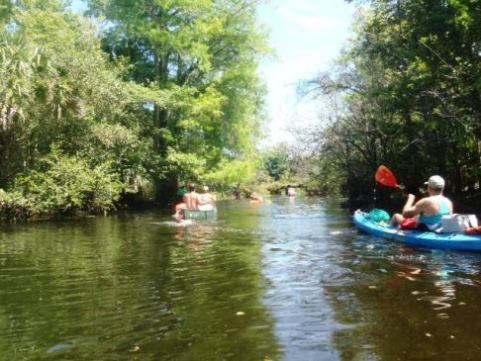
point(125, 103)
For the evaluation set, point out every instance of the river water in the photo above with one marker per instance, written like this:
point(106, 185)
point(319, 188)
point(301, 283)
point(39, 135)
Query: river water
point(287, 280)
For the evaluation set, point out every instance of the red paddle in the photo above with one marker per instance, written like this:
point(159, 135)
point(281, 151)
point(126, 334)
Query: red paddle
point(385, 177)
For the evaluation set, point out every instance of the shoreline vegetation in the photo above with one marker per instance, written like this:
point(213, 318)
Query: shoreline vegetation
point(119, 107)
point(406, 93)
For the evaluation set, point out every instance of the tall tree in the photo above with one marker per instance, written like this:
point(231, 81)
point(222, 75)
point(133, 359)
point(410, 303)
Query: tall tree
point(205, 54)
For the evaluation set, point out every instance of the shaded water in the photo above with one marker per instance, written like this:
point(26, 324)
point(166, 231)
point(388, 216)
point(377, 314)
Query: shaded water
point(290, 280)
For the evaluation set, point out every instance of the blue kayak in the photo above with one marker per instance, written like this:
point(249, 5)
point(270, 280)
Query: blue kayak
point(456, 241)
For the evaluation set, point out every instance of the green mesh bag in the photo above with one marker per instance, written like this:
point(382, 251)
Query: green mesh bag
point(181, 191)
point(379, 215)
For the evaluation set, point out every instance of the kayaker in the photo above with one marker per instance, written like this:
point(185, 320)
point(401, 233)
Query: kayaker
point(206, 200)
point(190, 202)
point(255, 198)
point(192, 199)
point(291, 192)
point(427, 212)
point(179, 203)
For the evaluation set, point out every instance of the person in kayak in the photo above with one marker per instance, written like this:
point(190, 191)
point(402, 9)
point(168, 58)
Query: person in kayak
point(206, 200)
point(255, 198)
point(190, 202)
point(291, 191)
point(427, 212)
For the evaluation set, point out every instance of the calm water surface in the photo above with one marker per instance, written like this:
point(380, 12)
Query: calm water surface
point(288, 280)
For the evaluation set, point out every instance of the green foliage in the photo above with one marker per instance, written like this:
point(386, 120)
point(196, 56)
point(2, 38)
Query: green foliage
point(299, 165)
point(409, 89)
point(66, 184)
point(203, 55)
point(187, 167)
point(276, 164)
point(14, 206)
point(166, 92)
point(230, 173)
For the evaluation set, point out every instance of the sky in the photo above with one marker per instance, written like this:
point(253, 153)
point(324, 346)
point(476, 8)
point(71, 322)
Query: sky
point(307, 36)
point(78, 5)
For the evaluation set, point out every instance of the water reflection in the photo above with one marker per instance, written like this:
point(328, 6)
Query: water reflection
point(297, 244)
point(287, 280)
point(340, 295)
point(127, 287)
point(416, 303)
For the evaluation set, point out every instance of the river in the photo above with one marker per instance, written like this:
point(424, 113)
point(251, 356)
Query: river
point(287, 280)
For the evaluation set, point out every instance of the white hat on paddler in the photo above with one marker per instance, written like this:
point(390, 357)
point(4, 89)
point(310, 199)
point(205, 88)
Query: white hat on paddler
point(436, 182)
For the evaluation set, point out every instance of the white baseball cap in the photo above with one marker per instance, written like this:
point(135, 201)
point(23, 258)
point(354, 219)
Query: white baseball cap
point(436, 182)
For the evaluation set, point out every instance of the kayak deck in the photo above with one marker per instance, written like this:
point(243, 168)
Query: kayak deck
point(457, 241)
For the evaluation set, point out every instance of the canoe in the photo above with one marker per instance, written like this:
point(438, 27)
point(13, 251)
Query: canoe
point(210, 214)
point(457, 241)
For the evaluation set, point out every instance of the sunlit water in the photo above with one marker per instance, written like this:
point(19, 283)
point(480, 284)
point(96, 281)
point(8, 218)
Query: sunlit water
point(287, 280)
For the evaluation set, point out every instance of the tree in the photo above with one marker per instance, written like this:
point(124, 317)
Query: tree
point(162, 92)
point(409, 83)
point(58, 91)
point(204, 54)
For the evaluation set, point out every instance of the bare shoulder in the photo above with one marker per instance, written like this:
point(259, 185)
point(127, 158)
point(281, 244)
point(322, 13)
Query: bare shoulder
point(424, 203)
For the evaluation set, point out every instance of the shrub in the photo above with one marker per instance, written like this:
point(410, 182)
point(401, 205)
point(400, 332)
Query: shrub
point(65, 184)
point(14, 207)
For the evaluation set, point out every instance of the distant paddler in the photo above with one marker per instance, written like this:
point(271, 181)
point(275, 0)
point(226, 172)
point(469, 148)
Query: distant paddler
point(191, 202)
point(291, 191)
point(255, 198)
point(206, 200)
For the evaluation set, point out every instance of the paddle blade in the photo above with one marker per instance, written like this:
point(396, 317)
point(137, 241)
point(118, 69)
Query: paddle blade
point(385, 177)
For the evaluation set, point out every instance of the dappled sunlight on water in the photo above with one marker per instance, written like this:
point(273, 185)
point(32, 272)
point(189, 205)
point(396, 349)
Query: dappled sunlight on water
point(130, 287)
point(286, 280)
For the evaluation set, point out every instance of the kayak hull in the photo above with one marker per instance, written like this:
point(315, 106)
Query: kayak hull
point(456, 241)
point(210, 214)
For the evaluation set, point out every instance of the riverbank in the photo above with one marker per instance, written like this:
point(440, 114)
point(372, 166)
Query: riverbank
point(14, 207)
